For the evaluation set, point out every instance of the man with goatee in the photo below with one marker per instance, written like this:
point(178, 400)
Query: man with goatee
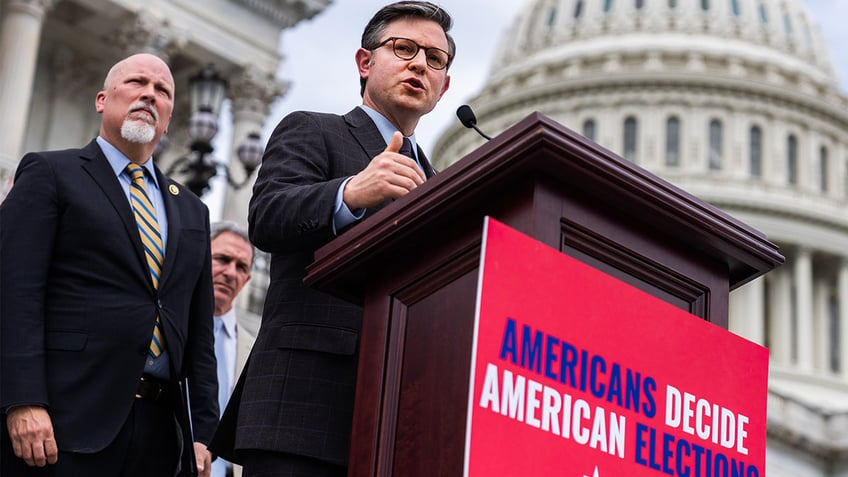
point(105, 300)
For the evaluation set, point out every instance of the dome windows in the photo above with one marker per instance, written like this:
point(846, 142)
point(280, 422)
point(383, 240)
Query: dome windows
point(715, 135)
point(734, 7)
point(630, 131)
point(823, 168)
point(792, 160)
point(672, 142)
point(755, 161)
point(589, 129)
point(808, 37)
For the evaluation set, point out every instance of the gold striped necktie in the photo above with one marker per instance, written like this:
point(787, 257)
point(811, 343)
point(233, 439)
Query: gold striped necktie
point(148, 229)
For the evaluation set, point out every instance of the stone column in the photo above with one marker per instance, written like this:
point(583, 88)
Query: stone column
point(20, 35)
point(804, 336)
point(747, 311)
point(780, 319)
point(842, 290)
point(251, 96)
point(821, 311)
point(70, 118)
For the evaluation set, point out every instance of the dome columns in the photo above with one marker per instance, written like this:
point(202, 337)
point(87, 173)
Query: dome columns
point(749, 301)
point(780, 333)
point(842, 291)
point(802, 271)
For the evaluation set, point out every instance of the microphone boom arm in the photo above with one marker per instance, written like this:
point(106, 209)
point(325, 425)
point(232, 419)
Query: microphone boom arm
point(488, 138)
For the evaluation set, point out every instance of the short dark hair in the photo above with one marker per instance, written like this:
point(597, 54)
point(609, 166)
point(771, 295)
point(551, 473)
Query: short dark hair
point(405, 9)
point(217, 228)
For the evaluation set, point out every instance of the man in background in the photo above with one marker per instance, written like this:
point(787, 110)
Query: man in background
point(105, 299)
point(232, 261)
point(291, 412)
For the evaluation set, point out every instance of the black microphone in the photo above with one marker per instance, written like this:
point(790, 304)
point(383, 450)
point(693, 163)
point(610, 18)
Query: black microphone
point(468, 119)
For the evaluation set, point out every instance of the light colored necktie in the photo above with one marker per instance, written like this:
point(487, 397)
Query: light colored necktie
point(221, 337)
point(219, 467)
point(148, 229)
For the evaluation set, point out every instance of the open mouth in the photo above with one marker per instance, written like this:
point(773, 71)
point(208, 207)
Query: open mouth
point(415, 83)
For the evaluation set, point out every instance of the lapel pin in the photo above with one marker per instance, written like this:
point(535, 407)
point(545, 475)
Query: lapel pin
point(174, 190)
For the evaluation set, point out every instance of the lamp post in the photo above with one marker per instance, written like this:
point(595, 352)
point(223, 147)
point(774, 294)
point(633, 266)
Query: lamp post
point(206, 90)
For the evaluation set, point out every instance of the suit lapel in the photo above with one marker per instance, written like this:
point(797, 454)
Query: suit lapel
point(365, 132)
point(172, 208)
point(97, 166)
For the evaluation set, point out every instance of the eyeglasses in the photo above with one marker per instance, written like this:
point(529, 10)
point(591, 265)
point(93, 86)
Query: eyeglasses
point(406, 49)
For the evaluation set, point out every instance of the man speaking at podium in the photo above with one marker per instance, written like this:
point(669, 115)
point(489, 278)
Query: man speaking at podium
point(292, 409)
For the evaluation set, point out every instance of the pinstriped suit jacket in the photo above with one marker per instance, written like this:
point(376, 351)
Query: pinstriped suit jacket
point(296, 392)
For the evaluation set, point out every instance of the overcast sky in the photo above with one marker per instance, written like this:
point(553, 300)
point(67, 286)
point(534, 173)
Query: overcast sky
point(318, 56)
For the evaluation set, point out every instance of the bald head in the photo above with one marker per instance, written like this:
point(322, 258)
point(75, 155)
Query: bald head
point(136, 104)
point(128, 62)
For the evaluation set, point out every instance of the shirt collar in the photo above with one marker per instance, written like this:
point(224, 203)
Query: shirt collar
point(118, 161)
point(386, 128)
point(228, 320)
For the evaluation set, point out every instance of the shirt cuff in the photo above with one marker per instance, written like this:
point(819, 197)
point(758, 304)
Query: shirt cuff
point(342, 215)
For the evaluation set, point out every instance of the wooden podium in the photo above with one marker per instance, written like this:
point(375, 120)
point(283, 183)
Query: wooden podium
point(414, 268)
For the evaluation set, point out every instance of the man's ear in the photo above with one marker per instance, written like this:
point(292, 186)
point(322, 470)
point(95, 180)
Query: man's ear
point(99, 101)
point(363, 62)
point(445, 87)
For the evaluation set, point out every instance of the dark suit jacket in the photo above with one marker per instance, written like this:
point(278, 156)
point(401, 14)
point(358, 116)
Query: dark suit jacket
point(296, 392)
point(77, 304)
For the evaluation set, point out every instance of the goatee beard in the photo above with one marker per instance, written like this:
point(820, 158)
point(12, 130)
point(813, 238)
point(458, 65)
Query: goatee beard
point(137, 131)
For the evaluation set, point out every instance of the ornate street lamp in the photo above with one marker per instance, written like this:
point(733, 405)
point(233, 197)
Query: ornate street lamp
point(206, 90)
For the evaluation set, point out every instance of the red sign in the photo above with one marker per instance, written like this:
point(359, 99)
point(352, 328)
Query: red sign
point(576, 373)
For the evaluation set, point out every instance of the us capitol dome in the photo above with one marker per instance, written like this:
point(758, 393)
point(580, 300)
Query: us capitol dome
point(736, 102)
